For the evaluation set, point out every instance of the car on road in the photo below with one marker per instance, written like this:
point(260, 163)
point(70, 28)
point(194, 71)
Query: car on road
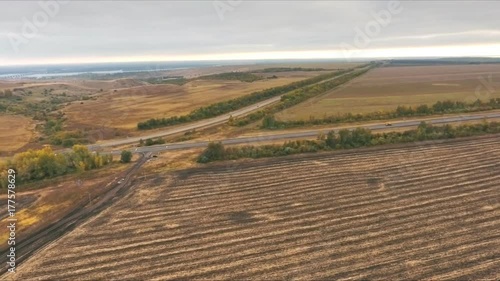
point(388, 124)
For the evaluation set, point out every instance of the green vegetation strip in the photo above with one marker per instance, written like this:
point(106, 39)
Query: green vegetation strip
point(248, 76)
point(446, 107)
point(238, 76)
point(346, 139)
point(288, 69)
point(224, 107)
point(44, 164)
point(298, 96)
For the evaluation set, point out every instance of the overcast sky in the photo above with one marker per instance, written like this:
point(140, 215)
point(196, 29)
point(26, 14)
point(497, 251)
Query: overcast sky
point(91, 31)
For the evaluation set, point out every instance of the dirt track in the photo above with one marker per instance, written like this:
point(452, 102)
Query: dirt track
point(38, 240)
point(421, 212)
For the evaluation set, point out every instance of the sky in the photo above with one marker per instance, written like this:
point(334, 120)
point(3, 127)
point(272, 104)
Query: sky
point(53, 32)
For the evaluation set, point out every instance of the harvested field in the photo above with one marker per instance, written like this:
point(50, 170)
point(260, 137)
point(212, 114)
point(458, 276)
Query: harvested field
point(386, 88)
point(56, 87)
point(16, 130)
point(124, 108)
point(420, 212)
point(108, 85)
point(10, 84)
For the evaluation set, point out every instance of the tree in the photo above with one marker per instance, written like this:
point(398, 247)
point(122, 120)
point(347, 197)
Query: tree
point(422, 130)
point(423, 109)
point(45, 163)
point(345, 138)
point(269, 122)
point(214, 152)
point(126, 156)
point(331, 140)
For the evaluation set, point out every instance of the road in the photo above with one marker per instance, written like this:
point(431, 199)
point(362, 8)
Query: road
point(314, 133)
point(193, 126)
point(200, 124)
point(37, 241)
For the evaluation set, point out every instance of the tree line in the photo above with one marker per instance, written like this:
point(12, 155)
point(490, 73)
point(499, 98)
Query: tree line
point(151, 142)
point(440, 107)
point(224, 107)
point(347, 139)
point(288, 69)
point(248, 77)
point(45, 163)
point(239, 76)
point(296, 97)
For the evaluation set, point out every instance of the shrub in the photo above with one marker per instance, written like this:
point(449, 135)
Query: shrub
point(126, 156)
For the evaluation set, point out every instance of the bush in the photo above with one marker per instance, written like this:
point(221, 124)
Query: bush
point(214, 152)
point(151, 142)
point(126, 156)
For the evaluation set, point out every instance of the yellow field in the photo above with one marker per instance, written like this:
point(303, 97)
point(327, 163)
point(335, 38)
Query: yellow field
point(124, 108)
point(386, 88)
point(16, 132)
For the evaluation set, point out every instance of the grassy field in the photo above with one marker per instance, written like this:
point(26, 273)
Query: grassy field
point(386, 88)
point(427, 211)
point(16, 132)
point(124, 108)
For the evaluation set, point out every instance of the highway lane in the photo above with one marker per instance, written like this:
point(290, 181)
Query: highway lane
point(193, 126)
point(313, 133)
point(200, 124)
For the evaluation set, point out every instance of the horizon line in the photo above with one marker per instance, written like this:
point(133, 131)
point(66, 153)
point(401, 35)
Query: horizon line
point(347, 55)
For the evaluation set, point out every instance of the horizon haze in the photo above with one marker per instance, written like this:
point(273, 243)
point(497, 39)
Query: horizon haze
point(74, 32)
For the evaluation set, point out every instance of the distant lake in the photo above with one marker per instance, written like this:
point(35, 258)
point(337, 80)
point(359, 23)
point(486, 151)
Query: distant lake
point(52, 71)
point(68, 74)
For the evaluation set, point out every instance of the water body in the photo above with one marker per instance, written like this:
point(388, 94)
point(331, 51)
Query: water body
point(52, 71)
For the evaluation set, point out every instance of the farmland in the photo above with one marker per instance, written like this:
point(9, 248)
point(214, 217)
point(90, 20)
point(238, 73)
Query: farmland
point(383, 89)
point(124, 108)
point(424, 211)
point(45, 202)
point(17, 131)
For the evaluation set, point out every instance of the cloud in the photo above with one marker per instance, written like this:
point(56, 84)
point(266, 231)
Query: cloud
point(103, 30)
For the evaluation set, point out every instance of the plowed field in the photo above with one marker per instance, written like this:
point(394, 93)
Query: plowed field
point(426, 212)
